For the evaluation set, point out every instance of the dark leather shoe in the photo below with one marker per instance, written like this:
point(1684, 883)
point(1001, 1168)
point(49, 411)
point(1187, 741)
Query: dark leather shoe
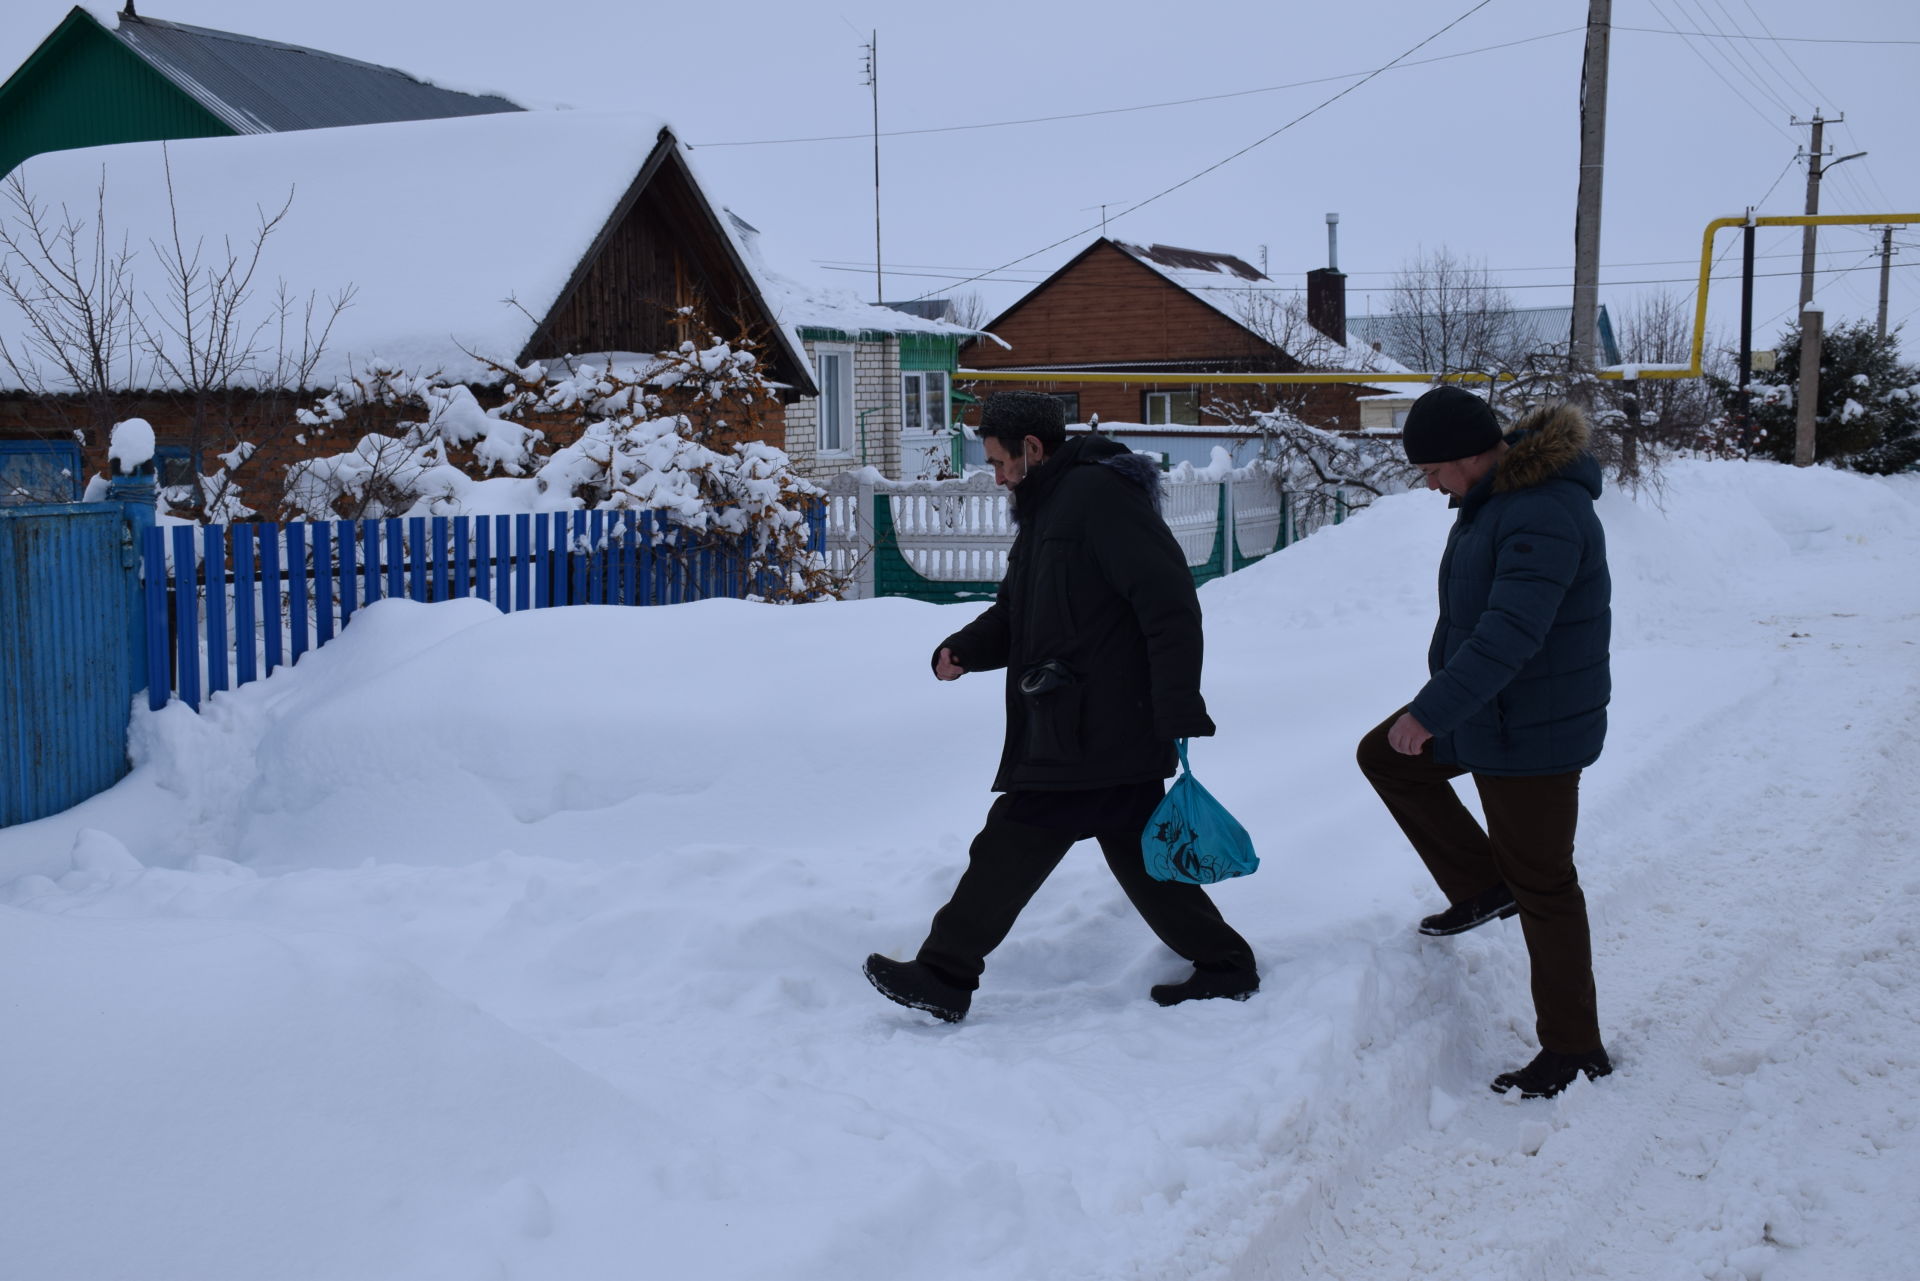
point(1234, 985)
point(917, 987)
point(1550, 1073)
point(1495, 904)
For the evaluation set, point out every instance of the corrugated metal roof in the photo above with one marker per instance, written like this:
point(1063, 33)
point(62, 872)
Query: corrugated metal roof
point(1531, 328)
point(1200, 260)
point(262, 86)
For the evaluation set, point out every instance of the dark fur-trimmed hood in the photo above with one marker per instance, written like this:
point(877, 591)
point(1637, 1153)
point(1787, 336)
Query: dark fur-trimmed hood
point(1090, 449)
point(1546, 443)
point(1139, 469)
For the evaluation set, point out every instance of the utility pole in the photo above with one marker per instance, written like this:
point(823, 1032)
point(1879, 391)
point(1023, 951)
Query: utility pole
point(1807, 397)
point(1746, 335)
point(1886, 269)
point(873, 82)
point(1815, 171)
point(1593, 155)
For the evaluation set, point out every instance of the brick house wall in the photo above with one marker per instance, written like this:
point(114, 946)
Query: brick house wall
point(266, 420)
point(876, 388)
point(1109, 309)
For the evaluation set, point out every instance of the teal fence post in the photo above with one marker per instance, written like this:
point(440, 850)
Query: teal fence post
point(135, 494)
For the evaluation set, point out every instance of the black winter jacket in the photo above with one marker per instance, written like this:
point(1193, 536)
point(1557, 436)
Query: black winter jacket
point(1519, 659)
point(1096, 586)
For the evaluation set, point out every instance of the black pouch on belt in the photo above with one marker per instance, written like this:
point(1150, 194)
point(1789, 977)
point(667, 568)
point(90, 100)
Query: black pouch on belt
point(1053, 693)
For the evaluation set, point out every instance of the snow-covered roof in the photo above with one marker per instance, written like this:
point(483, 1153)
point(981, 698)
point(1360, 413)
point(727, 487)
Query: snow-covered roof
point(1227, 284)
point(807, 306)
point(455, 235)
point(1527, 328)
point(261, 86)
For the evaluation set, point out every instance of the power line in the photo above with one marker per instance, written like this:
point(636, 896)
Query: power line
point(1735, 56)
point(1776, 47)
point(1258, 141)
point(1839, 273)
point(1251, 288)
point(1144, 106)
point(1039, 273)
point(1721, 35)
point(1734, 89)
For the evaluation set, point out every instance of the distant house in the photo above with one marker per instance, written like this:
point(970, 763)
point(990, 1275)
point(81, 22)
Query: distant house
point(1518, 332)
point(1130, 333)
point(885, 376)
point(456, 250)
point(124, 78)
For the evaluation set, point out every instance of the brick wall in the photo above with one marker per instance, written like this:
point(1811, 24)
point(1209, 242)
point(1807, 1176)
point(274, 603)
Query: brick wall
point(267, 422)
point(876, 387)
point(1109, 308)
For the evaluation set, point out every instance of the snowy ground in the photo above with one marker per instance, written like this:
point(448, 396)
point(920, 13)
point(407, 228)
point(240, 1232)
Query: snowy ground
point(529, 948)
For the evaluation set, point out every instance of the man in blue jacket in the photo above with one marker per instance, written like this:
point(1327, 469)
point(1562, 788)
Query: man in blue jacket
point(1517, 697)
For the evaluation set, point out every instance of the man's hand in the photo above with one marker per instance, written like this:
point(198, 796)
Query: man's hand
point(1407, 736)
point(945, 668)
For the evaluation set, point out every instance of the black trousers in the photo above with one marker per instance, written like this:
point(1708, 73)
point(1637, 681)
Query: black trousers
point(1528, 843)
point(1009, 861)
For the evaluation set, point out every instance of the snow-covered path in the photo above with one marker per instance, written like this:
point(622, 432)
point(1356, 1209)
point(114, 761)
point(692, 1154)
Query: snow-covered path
point(1757, 970)
point(528, 948)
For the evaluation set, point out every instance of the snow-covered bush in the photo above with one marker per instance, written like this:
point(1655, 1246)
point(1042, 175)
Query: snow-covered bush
point(1322, 470)
point(673, 433)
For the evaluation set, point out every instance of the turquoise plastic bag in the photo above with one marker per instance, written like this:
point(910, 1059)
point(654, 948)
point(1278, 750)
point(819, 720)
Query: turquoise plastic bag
point(1192, 838)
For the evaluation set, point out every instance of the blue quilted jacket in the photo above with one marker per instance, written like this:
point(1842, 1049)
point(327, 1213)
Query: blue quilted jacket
point(1519, 672)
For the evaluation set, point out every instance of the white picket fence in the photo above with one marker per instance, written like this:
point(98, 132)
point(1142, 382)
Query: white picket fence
point(959, 531)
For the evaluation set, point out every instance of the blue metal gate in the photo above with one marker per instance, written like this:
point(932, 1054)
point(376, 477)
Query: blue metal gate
point(70, 658)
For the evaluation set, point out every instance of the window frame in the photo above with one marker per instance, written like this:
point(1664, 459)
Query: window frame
point(935, 417)
point(822, 353)
point(1147, 399)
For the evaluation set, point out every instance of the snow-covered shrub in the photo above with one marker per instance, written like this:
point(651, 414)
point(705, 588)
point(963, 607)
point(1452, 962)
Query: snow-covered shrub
point(387, 474)
point(672, 433)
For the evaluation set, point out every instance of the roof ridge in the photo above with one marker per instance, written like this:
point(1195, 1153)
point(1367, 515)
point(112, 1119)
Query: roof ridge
point(241, 37)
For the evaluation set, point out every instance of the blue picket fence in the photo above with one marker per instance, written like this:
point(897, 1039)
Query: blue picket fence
point(228, 604)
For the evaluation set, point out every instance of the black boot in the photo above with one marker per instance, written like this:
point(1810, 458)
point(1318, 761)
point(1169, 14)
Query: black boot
point(1235, 985)
point(1496, 903)
point(915, 985)
point(1550, 1073)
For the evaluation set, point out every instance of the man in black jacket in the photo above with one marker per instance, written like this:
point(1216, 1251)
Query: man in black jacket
point(1098, 628)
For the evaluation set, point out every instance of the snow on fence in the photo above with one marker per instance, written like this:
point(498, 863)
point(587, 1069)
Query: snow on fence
point(227, 604)
point(948, 540)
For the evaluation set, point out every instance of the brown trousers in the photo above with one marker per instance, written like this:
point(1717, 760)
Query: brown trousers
point(1528, 843)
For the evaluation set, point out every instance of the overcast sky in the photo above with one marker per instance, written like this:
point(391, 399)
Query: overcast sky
point(1471, 144)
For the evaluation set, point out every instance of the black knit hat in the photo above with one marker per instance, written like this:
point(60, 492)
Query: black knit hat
point(1449, 423)
point(1012, 416)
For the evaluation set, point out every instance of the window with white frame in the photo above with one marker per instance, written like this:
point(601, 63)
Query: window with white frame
point(833, 368)
point(924, 401)
point(1160, 407)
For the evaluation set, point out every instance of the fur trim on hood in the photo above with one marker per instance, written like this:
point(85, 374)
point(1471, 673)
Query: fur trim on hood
point(1139, 469)
point(1544, 443)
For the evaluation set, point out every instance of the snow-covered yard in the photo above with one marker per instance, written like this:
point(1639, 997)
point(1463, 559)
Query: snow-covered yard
point(528, 947)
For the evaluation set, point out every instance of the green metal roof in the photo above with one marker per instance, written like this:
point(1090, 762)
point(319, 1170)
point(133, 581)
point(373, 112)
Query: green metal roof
point(89, 84)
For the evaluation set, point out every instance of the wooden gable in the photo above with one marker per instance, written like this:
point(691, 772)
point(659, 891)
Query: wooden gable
point(662, 249)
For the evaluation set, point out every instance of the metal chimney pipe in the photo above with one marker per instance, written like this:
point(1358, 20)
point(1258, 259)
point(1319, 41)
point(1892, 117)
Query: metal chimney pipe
point(1333, 242)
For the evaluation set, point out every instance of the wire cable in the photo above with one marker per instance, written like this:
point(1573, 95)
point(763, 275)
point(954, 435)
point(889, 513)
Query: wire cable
point(1258, 142)
point(1144, 106)
point(1772, 123)
point(1672, 31)
point(1733, 53)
